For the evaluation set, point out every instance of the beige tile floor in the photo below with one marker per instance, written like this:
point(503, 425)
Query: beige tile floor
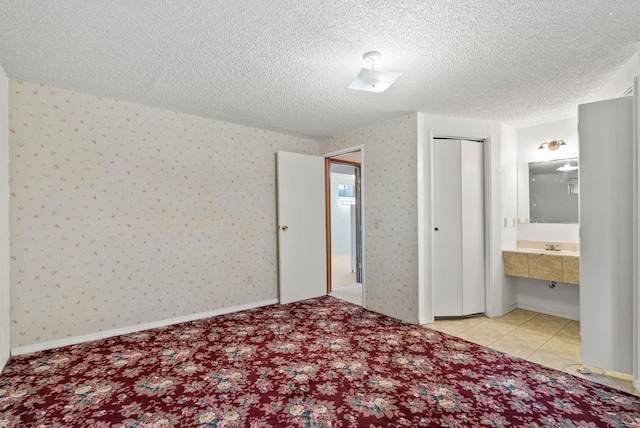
point(544, 339)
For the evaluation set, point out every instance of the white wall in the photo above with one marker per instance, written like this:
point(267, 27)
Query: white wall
point(5, 344)
point(622, 81)
point(549, 232)
point(508, 182)
point(390, 195)
point(533, 294)
point(529, 139)
point(561, 301)
point(125, 215)
point(636, 242)
point(340, 216)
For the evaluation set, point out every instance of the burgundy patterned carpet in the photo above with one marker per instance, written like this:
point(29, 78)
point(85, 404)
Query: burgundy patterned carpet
point(318, 363)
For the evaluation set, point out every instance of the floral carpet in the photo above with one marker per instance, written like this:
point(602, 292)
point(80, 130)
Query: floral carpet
point(317, 363)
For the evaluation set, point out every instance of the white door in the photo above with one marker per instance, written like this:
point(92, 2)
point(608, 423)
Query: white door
point(302, 255)
point(472, 200)
point(605, 129)
point(447, 235)
point(458, 207)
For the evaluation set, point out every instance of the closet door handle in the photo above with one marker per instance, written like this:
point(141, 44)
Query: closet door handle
point(436, 229)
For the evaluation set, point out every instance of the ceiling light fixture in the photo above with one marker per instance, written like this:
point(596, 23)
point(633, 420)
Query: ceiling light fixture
point(552, 145)
point(372, 80)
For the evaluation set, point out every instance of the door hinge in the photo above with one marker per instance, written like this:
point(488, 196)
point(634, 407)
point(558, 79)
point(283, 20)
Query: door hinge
point(357, 180)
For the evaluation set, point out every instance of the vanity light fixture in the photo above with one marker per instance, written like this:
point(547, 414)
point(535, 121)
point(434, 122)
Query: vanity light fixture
point(372, 80)
point(567, 167)
point(552, 145)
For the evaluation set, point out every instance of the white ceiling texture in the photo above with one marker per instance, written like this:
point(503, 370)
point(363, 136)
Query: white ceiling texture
point(285, 65)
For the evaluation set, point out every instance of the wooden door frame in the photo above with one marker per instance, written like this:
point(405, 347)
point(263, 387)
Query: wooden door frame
point(327, 209)
point(328, 156)
point(327, 168)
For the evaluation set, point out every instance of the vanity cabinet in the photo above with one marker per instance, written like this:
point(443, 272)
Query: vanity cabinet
point(543, 266)
point(546, 266)
point(571, 270)
point(516, 264)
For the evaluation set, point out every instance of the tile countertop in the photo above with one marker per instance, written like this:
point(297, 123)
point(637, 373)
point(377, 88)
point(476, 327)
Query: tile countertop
point(568, 249)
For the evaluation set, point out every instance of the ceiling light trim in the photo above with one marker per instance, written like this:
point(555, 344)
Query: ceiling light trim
point(372, 80)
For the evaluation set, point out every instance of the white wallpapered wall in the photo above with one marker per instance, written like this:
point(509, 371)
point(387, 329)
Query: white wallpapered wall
point(5, 345)
point(390, 197)
point(123, 214)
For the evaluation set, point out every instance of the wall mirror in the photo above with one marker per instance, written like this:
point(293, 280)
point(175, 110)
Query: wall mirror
point(548, 191)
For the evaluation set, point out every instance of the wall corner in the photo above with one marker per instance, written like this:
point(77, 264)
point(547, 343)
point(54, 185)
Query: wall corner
point(5, 303)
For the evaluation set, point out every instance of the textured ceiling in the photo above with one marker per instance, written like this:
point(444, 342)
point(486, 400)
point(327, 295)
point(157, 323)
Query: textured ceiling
point(285, 65)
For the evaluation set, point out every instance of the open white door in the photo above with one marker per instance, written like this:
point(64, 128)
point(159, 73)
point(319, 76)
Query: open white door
point(606, 170)
point(302, 254)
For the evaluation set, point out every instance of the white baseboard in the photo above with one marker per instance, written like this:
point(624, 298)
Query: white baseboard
point(549, 312)
point(135, 328)
point(502, 312)
point(3, 362)
point(425, 320)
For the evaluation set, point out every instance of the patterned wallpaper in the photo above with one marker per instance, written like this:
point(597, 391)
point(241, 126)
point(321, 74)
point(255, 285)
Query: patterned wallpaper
point(4, 221)
point(123, 214)
point(390, 201)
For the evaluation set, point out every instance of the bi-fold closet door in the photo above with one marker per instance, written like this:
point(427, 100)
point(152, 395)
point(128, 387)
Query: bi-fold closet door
point(458, 208)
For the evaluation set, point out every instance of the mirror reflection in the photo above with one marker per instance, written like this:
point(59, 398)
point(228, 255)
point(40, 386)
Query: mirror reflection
point(548, 191)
